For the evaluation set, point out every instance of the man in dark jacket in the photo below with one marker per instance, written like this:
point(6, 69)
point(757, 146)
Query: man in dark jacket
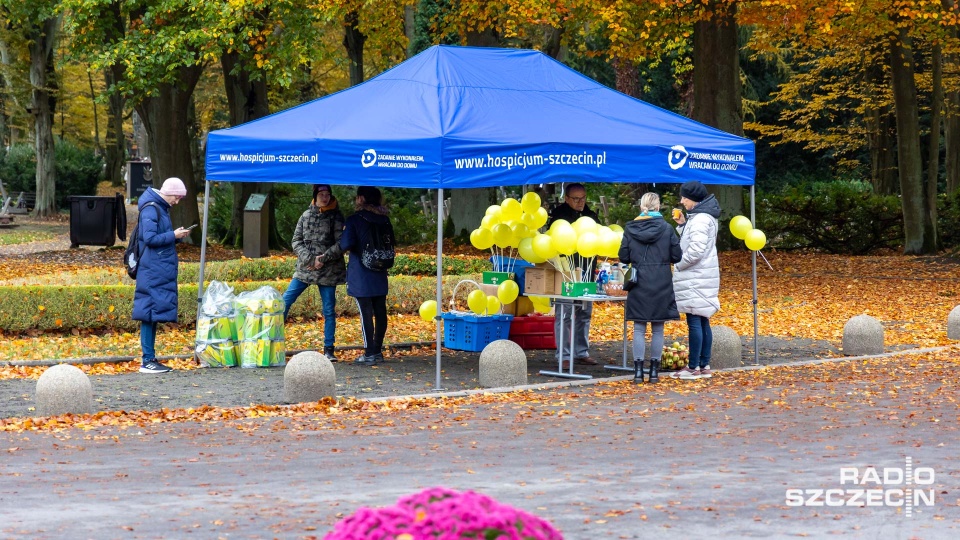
point(155, 296)
point(316, 241)
point(573, 208)
point(368, 287)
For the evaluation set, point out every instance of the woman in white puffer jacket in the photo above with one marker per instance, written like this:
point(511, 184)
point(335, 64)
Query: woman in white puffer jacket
point(696, 278)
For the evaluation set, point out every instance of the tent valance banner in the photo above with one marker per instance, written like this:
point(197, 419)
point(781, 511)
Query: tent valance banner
point(473, 117)
point(468, 117)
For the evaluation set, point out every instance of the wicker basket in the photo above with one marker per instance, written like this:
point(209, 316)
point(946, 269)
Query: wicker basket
point(614, 289)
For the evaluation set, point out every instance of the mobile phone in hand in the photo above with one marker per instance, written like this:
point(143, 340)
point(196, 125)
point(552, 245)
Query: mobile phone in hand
point(190, 228)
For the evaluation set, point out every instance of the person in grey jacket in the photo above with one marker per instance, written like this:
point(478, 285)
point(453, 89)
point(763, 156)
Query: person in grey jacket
point(316, 241)
point(696, 278)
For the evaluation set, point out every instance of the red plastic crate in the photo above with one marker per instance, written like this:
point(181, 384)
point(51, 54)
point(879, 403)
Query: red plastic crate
point(533, 332)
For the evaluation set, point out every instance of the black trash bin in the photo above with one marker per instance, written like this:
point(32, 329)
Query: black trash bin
point(93, 221)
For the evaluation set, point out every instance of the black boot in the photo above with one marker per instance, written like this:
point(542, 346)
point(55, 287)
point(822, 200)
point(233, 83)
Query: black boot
point(638, 371)
point(329, 353)
point(655, 370)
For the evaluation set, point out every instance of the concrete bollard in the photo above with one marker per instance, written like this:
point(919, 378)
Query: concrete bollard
point(953, 324)
point(503, 363)
point(63, 389)
point(309, 376)
point(862, 335)
point(727, 349)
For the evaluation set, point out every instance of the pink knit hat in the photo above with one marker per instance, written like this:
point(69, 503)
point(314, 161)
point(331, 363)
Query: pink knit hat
point(173, 187)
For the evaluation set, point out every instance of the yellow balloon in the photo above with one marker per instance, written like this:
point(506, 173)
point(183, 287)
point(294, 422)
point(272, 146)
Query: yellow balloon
point(428, 310)
point(740, 226)
point(493, 210)
point(521, 231)
point(611, 244)
point(477, 301)
point(587, 244)
point(558, 223)
point(493, 305)
point(481, 238)
point(542, 217)
point(584, 225)
point(508, 291)
point(543, 247)
point(525, 248)
point(540, 304)
point(616, 228)
point(502, 235)
point(488, 222)
point(564, 239)
point(510, 209)
point(530, 220)
point(530, 202)
point(755, 240)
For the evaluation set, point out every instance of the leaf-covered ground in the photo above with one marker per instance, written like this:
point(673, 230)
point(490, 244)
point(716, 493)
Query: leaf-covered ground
point(804, 295)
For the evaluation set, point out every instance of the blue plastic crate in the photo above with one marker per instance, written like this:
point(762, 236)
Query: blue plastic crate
point(468, 332)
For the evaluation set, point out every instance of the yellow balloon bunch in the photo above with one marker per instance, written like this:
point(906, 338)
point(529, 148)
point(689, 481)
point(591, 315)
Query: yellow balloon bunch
point(742, 228)
point(508, 224)
point(584, 237)
point(481, 304)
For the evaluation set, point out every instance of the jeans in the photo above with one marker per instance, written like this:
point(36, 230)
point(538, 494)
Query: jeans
point(582, 312)
point(148, 340)
point(639, 340)
point(373, 318)
point(701, 341)
point(328, 298)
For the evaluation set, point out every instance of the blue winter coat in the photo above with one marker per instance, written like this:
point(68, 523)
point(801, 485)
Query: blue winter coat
point(155, 299)
point(361, 281)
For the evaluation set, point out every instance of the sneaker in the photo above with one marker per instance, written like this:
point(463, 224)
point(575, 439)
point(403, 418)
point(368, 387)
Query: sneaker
point(154, 367)
point(378, 358)
point(364, 360)
point(687, 374)
point(329, 352)
point(705, 372)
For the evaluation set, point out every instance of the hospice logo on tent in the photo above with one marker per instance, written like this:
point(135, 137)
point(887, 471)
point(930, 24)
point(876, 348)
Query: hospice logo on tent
point(371, 158)
point(677, 156)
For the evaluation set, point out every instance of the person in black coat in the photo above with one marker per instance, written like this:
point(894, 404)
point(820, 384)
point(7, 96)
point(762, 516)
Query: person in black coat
point(650, 246)
point(573, 208)
point(368, 287)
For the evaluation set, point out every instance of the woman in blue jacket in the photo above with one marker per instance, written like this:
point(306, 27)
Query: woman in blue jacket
point(155, 299)
point(368, 287)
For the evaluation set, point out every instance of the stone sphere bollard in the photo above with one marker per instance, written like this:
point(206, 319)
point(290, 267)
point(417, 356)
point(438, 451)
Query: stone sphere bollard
point(309, 376)
point(503, 363)
point(953, 324)
point(64, 389)
point(727, 349)
point(862, 335)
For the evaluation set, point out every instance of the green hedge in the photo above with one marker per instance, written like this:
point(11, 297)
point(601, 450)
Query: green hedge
point(109, 307)
point(282, 268)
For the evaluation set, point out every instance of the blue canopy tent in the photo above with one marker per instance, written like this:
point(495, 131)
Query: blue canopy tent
point(465, 117)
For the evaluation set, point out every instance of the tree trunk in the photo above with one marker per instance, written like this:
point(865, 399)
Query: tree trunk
point(410, 28)
point(627, 77)
point(881, 132)
point(951, 111)
point(353, 41)
point(246, 101)
point(917, 227)
point(933, 148)
point(43, 103)
point(166, 120)
point(717, 94)
point(115, 145)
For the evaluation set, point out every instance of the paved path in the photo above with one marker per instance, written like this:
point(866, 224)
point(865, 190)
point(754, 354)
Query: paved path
point(710, 459)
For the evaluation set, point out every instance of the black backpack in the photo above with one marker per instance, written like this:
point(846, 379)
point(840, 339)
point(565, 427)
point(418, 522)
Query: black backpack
point(131, 255)
point(378, 253)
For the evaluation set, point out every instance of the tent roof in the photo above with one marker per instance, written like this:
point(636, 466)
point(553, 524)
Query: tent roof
point(464, 117)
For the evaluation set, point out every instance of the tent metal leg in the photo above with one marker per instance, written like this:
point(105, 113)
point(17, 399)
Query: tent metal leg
point(439, 280)
point(756, 324)
point(203, 245)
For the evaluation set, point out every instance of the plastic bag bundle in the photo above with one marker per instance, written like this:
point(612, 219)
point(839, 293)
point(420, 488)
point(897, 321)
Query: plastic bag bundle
point(259, 324)
point(216, 330)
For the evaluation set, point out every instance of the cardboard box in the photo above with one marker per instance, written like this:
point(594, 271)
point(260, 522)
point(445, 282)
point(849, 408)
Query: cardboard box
point(541, 279)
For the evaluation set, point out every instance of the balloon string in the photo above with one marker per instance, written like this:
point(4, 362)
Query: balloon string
point(765, 259)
